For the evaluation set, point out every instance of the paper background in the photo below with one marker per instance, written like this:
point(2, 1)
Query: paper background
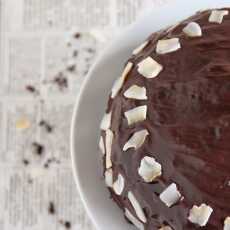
point(46, 49)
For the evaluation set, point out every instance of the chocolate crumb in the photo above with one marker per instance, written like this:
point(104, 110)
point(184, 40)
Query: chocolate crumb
point(67, 225)
point(90, 50)
point(50, 161)
point(46, 125)
point(30, 181)
point(51, 208)
point(71, 68)
point(38, 148)
point(77, 35)
point(31, 89)
point(25, 162)
point(61, 81)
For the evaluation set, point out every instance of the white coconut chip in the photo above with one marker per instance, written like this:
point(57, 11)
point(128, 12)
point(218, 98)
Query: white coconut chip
point(217, 16)
point(136, 92)
point(136, 140)
point(102, 145)
point(170, 195)
point(227, 223)
point(149, 68)
point(136, 115)
point(165, 228)
point(140, 48)
point(120, 81)
point(149, 169)
point(200, 215)
point(119, 185)
point(168, 45)
point(108, 145)
point(106, 121)
point(109, 177)
point(138, 209)
point(133, 220)
point(193, 29)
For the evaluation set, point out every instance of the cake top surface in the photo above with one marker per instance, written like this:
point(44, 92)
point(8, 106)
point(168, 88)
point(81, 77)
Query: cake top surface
point(166, 131)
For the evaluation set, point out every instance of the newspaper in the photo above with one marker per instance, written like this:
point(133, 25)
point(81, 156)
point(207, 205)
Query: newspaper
point(46, 50)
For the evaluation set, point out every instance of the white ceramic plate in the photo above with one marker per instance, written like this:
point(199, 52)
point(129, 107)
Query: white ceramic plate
point(91, 104)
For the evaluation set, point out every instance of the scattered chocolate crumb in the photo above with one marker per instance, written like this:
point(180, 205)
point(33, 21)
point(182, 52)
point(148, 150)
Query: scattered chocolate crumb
point(51, 208)
point(71, 68)
point(50, 161)
point(38, 148)
point(31, 89)
point(61, 81)
point(67, 224)
point(25, 162)
point(90, 50)
point(46, 125)
point(30, 181)
point(75, 53)
point(77, 35)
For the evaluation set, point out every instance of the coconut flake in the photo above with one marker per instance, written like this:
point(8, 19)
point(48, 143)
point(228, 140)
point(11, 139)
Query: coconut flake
point(23, 124)
point(170, 195)
point(138, 209)
point(217, 16)
point(227, 223)
point(136, 140)
point(149, 68)
point(136, 92)
point(119, 185)
point(101, 145)
point(133, 219)
point(165, 228)
point(140, 48)
point(200, 215)
point(136, 115)
point(109, 177)
point(168, 45)
point(108, 144)
point(193, 29)
point(149, 169)
point(120, 81)
point(106, 121)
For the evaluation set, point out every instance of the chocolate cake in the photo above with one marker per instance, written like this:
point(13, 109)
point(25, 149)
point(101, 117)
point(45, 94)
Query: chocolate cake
point(166, 132)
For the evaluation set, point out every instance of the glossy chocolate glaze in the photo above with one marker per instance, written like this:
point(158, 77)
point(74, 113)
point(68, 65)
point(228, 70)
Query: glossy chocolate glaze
point(189, 124)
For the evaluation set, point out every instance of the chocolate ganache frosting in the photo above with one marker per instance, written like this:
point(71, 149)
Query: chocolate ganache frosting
point(166, 132)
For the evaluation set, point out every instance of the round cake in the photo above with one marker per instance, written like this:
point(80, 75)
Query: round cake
point(166, 132)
